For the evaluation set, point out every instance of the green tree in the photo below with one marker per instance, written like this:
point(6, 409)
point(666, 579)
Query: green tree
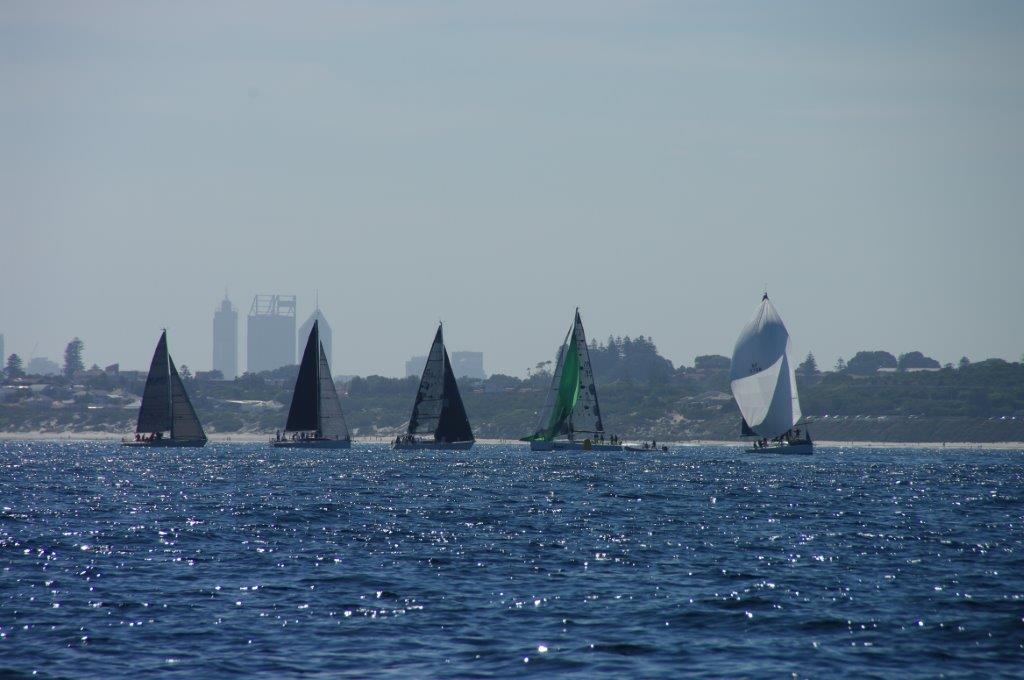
point(840, 365)
point(14, 369)
point(186, 372)
point(915, 360)
point(964, 362)
point(809, 366)
point(867, 363)
point(73, 358)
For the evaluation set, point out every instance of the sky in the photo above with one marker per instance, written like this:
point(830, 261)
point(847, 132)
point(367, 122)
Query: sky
point(496, 165)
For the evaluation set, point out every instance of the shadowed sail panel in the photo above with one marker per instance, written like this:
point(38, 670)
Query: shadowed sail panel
point(155, 414)
point(332, 420)
point(302, 414)
point(762, 377)
point(184, 421)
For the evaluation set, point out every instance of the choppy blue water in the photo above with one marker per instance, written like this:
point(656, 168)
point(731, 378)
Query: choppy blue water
point(239, 559)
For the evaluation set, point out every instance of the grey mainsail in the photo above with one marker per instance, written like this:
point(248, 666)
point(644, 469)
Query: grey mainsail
point(332, 420)
point(586, 416)
point(184, 421)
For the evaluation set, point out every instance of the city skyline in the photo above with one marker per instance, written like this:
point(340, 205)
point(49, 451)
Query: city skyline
point(656, 166)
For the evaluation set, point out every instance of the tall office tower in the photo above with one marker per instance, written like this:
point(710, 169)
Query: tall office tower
point(468, 365)
point(225, 340)
point(325, 333)
point(414, 366)
point(270, 333)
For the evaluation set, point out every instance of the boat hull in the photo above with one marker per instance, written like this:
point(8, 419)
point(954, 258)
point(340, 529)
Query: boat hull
point(166, 444)
point(795, 449)
point(642, 449)
point(313, 444)
point(440, 446)
point(572, 446)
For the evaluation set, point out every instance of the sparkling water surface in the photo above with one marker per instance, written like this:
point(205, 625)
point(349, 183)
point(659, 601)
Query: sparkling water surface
point(238, 559)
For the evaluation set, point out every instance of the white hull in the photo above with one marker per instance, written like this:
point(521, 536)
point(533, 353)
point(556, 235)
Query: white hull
point(312, 444)
point(439, 446)
point(804, 448)
point(572, 446)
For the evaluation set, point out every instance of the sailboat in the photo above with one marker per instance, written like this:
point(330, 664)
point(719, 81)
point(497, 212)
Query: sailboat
point(763, 381)
point(166, 408)
point(315, 419)
point(571, 417)
point(438, 419)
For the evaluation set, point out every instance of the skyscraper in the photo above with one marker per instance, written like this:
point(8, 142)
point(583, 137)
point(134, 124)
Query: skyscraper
point(225, 340)
point(270, 333)
point(464, 365)
point(325, 333)
point(414, 366)
point(468, 365)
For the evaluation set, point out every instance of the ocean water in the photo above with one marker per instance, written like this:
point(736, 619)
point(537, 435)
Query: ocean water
point(242, 560)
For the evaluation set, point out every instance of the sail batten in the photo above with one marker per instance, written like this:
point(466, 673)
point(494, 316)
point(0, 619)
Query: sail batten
point(762, 376)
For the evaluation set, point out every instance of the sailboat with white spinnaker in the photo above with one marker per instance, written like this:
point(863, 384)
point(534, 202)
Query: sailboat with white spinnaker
point(763, 381)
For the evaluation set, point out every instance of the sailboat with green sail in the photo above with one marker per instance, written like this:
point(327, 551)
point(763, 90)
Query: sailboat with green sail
point(571, 417)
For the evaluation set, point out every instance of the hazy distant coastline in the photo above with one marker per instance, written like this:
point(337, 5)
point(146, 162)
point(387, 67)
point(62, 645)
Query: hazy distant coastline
point(250, 438)
point(643, 396)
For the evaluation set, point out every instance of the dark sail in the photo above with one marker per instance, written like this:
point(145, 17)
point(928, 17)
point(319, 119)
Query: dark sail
point(303, 416)
point(745, 430)
point(426, 410)
point(438, 409)
point(155, 414)
point(587, 413)
point(453, 425)
point(184, 421)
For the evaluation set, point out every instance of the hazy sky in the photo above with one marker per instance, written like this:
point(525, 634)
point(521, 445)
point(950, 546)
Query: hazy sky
point(656, 164)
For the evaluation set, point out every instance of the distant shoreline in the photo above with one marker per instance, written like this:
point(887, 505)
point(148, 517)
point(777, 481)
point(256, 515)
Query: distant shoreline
point(250, 438)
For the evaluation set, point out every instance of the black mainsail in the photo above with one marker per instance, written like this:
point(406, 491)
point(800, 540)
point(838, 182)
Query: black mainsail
point(438, 409)
point(165, 404)
point(315, 405)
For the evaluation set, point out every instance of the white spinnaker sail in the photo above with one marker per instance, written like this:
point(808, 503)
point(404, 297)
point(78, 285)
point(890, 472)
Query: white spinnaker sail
point(762, 375)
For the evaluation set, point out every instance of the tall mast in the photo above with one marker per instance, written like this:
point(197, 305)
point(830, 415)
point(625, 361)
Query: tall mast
point(170, 393)
point(316, 330)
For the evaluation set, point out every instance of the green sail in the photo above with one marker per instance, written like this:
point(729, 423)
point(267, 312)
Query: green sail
point(568, 393)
